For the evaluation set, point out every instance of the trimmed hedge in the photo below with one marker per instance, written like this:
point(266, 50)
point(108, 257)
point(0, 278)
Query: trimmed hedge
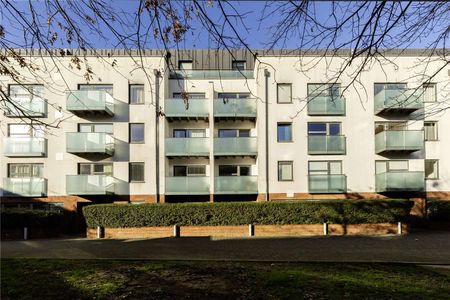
point(438, 210)
point(241, 213)
point(17, 218)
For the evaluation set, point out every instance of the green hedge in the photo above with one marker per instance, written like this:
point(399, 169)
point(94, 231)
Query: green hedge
point(241, 213)
point(32, 218)
point(439, 210)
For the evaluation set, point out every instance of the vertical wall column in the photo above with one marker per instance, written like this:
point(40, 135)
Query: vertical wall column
point(266, 131)
point(211, 140)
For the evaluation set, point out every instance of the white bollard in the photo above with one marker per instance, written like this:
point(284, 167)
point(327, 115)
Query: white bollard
point(399, 228)
point(99, 232)
point(25, 233)
point(251, 230)
point(325, 229)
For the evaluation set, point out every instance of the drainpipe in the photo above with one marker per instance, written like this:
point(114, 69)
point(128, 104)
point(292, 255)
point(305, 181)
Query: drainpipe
point(157, 109)
point(266, 76)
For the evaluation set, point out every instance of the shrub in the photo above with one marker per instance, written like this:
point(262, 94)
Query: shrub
point(241, 213)
point(439, 210)
point(12, 218)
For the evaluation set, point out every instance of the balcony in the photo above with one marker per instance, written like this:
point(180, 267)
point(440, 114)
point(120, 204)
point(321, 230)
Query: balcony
point(89, 185)
point(236, 185)
point(326, 106)
point(25, 187)
point(90, 102)
point(25, 146)
point(399, 141)
point(235, 108)
point(195, 109)
point(212, 74)
point(25, 106)
point(187, 185)
point(327, 183)
point(239, 146)
point(400, 181)
point(398, 101)
point(90, 142)
point(187, 146)
point(326, 144)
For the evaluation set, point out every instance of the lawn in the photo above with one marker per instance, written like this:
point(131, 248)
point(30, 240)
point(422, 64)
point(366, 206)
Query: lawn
point(120, 279)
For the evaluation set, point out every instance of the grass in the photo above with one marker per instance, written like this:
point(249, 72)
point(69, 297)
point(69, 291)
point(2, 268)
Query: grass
point(113, 279)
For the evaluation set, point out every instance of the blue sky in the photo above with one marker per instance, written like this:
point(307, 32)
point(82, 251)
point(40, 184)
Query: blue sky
point(257, 35)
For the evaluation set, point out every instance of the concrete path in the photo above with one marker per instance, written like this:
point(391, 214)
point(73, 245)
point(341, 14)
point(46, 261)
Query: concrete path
point(424, 248)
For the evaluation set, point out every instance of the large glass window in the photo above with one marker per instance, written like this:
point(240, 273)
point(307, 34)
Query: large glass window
point(284, 132)
point(234, 170)
point(430, 129)
point(26, 92)
point(234, 95)
point(190, 95)
point(136, 172)
point(324, 128)
point(192, 170)
point(23, 130)
point(137, 133)
point(97, 87)
point(378, 87)
point(25, 170)
point(284, 93)
point(228, 133)
point(323, 90)
point(95, 169)
point(431, 169)
point(136, 94)
point(383, 126)
point(96, 127)
point(184, 133)
point(383, 166)
point(285, 171)
point(325, 167)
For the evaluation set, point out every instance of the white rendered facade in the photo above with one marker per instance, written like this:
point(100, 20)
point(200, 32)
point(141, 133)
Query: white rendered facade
point(196, 153)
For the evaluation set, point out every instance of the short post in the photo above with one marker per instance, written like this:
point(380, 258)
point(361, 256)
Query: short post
point(399, 228)
point(99, 232)
point(325, 229)
point(176, 231)
point(25, 233)
point(251, 230)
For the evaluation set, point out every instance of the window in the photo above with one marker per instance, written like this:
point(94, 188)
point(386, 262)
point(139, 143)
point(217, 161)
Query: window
point(429, 92)
point(193, 170)
point(284, 93)
point(384, 126)
point(95, 127)
point(137, 94)
point(378, 87)
point(190, 95)
point(185, 65)
point(430, 129)
point(25, 131)
point(324, 167)
point(383, 166)
point(96, 87)
point(324, 128)
point(238, 65)
point(284, 132)
point(136, 172)
point(285, 172)
point(431, 169)
point(26, 92)
point(234, 170)
point(187, 133)
point(323, 90)
point(25, 170)
point(228, 133)
point(136, 133)
point(95, 169)
point(234, 95)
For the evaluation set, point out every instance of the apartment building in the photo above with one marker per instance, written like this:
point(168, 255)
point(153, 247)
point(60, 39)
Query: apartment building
point(209, 125)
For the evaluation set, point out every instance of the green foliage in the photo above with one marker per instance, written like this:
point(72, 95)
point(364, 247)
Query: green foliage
point(33, 218)
point(439, 210)
point(241, 213)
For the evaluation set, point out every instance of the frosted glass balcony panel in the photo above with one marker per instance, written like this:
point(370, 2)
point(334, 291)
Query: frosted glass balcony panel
point(194, 108)
point(235, 108)
point(89, 142)
point(236, 185)
point(326, 105)
point(326, 144)
point(327, 183)
point(187, 185)
point(398, 181)
point(187, 146)
point(25, 146)
point(83, 101)
point(236, 146)
point(89, 184)
point(399, 140)
point(25, 187)
point(398, 100)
